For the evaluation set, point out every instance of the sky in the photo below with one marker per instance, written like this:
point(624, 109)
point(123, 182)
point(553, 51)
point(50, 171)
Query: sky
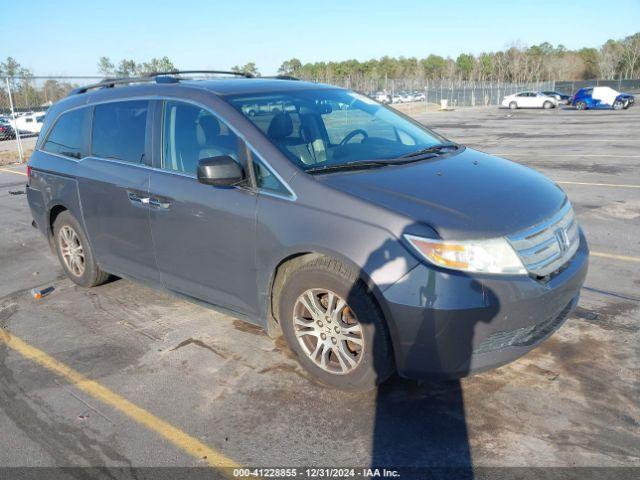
point(67, 37)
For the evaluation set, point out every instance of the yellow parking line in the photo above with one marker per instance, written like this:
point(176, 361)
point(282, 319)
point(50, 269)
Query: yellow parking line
point(12, 171)
point(177, 437)
point(615, 257)
point(622, 185)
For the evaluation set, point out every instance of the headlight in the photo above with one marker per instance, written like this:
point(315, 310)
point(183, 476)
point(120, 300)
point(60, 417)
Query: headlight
point(493, 255)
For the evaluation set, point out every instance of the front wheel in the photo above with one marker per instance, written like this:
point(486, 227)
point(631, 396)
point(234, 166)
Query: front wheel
point(513, 105)
point(618, 105)
point(334, 326)
point(581, 105)
point(74, 252)
point(547, 105)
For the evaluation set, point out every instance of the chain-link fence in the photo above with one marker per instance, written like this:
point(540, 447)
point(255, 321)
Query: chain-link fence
point(25, 100)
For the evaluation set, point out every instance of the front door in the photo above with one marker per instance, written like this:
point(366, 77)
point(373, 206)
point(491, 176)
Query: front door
point(114, 190)
point(204, 236)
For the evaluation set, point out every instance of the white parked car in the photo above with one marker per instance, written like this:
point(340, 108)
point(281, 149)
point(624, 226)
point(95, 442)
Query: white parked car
point(30, 123)
point(383, 97)
point(529, 100)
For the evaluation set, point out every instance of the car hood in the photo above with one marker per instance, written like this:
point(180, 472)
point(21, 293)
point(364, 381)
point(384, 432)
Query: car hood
point(466, 195)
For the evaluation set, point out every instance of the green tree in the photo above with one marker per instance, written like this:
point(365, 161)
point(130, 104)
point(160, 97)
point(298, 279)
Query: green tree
point(290, 67)
point(127, 68)
point(155, 65)
point(591, 58)
point(105, 67)
point(249, 68)
point(464, 65)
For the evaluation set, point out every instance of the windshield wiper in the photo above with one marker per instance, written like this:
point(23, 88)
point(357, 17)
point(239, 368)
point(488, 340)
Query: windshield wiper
point(360, 164)
point(351, 166)
point(432, 149)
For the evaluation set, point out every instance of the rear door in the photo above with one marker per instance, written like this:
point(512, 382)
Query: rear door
point(204, 236)
point(114, 189)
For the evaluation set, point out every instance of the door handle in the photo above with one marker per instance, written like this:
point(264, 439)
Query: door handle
point(157, 203)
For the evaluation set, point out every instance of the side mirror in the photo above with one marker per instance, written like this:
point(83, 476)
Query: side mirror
point(221, 171)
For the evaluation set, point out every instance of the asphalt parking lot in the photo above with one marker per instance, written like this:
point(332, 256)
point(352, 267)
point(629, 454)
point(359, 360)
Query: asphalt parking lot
point(126, 376)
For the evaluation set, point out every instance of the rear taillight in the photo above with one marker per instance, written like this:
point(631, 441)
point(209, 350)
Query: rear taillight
point(28, 174)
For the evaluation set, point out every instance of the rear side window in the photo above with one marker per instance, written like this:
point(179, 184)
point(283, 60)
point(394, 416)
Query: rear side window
point(68, 136)
point(119, 130)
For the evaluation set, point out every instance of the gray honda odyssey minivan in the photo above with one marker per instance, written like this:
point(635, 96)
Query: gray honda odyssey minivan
point(373, 244)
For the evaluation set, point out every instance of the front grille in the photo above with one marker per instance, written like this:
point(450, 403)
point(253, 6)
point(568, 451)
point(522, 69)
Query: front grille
point(546, 247)
point(524, 336)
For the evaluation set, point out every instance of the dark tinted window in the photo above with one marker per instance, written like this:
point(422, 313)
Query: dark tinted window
point(191, 133)
point(69, 135)
point(119, 130)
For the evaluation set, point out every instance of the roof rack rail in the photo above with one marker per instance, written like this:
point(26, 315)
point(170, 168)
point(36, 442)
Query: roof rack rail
point(151, 77)
point(180, 72)
point(110, 83)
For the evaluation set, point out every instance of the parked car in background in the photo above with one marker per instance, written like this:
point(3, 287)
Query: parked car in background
point(561, 97)
point(601, 97)
point(529, 100)
point(30, 122)
point(372, 243)
point(6, 130)
point(382, 97)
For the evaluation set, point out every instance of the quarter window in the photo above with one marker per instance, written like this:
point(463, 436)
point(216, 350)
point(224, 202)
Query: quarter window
point(191, 133)
point(266, 180)
point(68, 136)
point(119, 130)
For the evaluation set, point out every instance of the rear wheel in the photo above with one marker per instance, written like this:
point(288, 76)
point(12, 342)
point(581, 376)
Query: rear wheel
point(513, 105)
point(74, 252)
point(334, 326)
point(547, 105)
point(581, 105)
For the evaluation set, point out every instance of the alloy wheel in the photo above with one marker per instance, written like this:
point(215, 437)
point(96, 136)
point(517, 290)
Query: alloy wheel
point(71, 250)
point(328, 331)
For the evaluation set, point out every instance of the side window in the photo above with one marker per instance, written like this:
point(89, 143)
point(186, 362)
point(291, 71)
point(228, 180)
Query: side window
point(191, 133)
point(68, 136)
point(266, 180)
point(119, 130)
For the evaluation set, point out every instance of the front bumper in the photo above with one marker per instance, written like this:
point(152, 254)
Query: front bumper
point(451, 324)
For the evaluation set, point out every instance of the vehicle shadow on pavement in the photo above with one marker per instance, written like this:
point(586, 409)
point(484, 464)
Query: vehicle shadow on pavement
point(420, 426)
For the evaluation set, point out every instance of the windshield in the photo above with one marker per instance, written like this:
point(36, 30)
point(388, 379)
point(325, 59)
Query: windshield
point(326, 128)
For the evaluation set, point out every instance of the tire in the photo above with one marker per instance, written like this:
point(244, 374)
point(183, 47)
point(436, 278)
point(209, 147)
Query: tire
point(581, 105)
point(618, 105)
point(513, 105)
point(313, 281)
point(67, 231)
point(547, 105)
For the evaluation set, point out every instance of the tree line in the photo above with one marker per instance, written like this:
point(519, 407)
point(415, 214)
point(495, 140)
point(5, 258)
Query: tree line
point(615, 59)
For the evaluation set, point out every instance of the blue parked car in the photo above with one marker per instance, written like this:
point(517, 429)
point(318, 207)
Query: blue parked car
point(601, 97)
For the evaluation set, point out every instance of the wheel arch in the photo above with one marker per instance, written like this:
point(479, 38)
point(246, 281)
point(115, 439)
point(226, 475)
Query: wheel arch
point(52, 214)
point(278, 276)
